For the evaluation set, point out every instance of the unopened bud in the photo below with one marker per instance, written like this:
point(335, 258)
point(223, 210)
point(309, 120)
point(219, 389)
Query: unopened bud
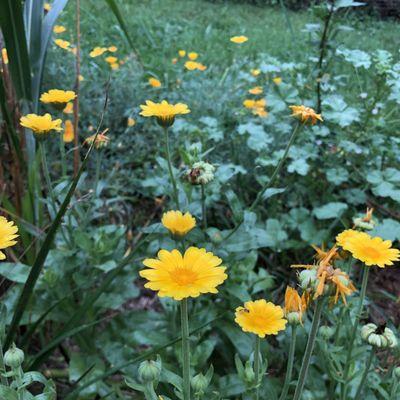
point(149, 371)
point(199, 384)
point(326, 332)
point(249, 374)
point(307, 278)
point(14, 357)
point(293, 318)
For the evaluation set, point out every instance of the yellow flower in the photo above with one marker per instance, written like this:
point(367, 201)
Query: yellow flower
point(277, 80)
point(248, 103)
point(81, 78)
point(154, 82)
point(69, 108)
point(261, 112)
point(257, 106)
point(193, 56)
point(69, 134)
point(101, 140)
point(4, 55)
point(256, 90)
point(164, 112)
point(373, 250)
point(114, 66)
point(305, 113)
point(47, 7)
point(59, 29)
point(180, 277)
point(64, 44)
point(255, 72)
point(7, 235)
point(343, 239)
point(59, 98)
point(177, 223)
point(239, 39)
point(97, 51)
point(111, 59)
point(40, 124)
point(113, 49)
point(131, 122)
point(193, 65)
point(182, 53)
point(260, 318)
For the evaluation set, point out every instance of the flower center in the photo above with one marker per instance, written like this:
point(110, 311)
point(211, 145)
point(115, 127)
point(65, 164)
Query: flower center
point(183, 276)
point(371, 252)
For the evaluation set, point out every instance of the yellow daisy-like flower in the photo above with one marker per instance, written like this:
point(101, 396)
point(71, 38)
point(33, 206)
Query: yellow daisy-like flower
point(64, 44)
point(305, 114)
point(41, 124)
point(58, 98)
point(181, 276)
point(69, 108)
point(47, 7)
point(114, 66)
point(373, 250)
point(193, 65)
point(97, 51)
point(239, 39)
point(177, 223)
point(182, 53)
point(193, 56)
point(4, 55)
point(154, 82)
point(100, 141)
point(113, 49)
point(111, 59)
point(8, 234)
point(59, 29)
point(256, 90)
point(343, 239)
point(255, 72)
point(164, 112)
point(69, 134)
point(260, 318)
point(277, 80)
point(131, 122)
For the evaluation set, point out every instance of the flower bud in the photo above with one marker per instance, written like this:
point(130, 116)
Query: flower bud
point(396, 372)
point(249, 374)
point(199, 384)
point(293, 318)
point(378, 337)
point(326, 332)
point(360, 223)
point(201, 173)
point(307, 278)
point(14, 357)
point(149, 371)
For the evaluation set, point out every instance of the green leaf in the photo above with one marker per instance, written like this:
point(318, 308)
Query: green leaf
point(330, 210)
point(15, 272)
point(12, 27)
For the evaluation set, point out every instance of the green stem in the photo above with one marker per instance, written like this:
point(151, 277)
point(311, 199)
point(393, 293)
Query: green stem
point(46, 174)
point(394, 388)
point(99, 156)
point(171, 172)
point(309, 349)
point(257, 365)
point(3, 379)
point(149, 392)
point(63, 158)
point(365, 374)
point(203, 207)
point(354, 332)
point(271, 181)
point(185, 349)
point(289, 368)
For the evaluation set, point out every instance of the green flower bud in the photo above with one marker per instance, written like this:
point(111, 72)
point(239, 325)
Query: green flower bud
point(307, 278)
point(326, 332)
point(199, 384)
point(149, 371)
point(360, 223)
point(14, 357)
point(249, 374)
point(293, 318)
point(396, 372)
point(378, 338)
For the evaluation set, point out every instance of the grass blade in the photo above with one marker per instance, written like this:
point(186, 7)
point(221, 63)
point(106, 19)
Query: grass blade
point(12, 27)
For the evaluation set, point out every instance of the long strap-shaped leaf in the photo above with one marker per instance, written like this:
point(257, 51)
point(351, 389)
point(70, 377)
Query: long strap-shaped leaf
point(145, 355)
point(12, 27)
point(30, 283)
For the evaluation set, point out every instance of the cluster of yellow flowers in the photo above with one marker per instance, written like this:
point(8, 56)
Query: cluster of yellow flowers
point(191, 64)
point(258, 107)
point(113, 61)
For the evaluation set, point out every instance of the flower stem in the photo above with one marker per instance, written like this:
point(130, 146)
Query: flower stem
point(46, 174)
point(271, 181)
point(289, 368)
point(365, 374)
point(354, 332)
point(171, 172)
point(185, 349)
point(203, 207)
point(309, 349)
point(62, 153)
point(257, 365)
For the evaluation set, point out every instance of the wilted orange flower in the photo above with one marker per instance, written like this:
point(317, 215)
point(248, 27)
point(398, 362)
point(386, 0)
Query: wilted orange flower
point(305, 114)
point(69, 108)
point(100, 141)
point(4, 55)
point(294, 303)
point(69, 134)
